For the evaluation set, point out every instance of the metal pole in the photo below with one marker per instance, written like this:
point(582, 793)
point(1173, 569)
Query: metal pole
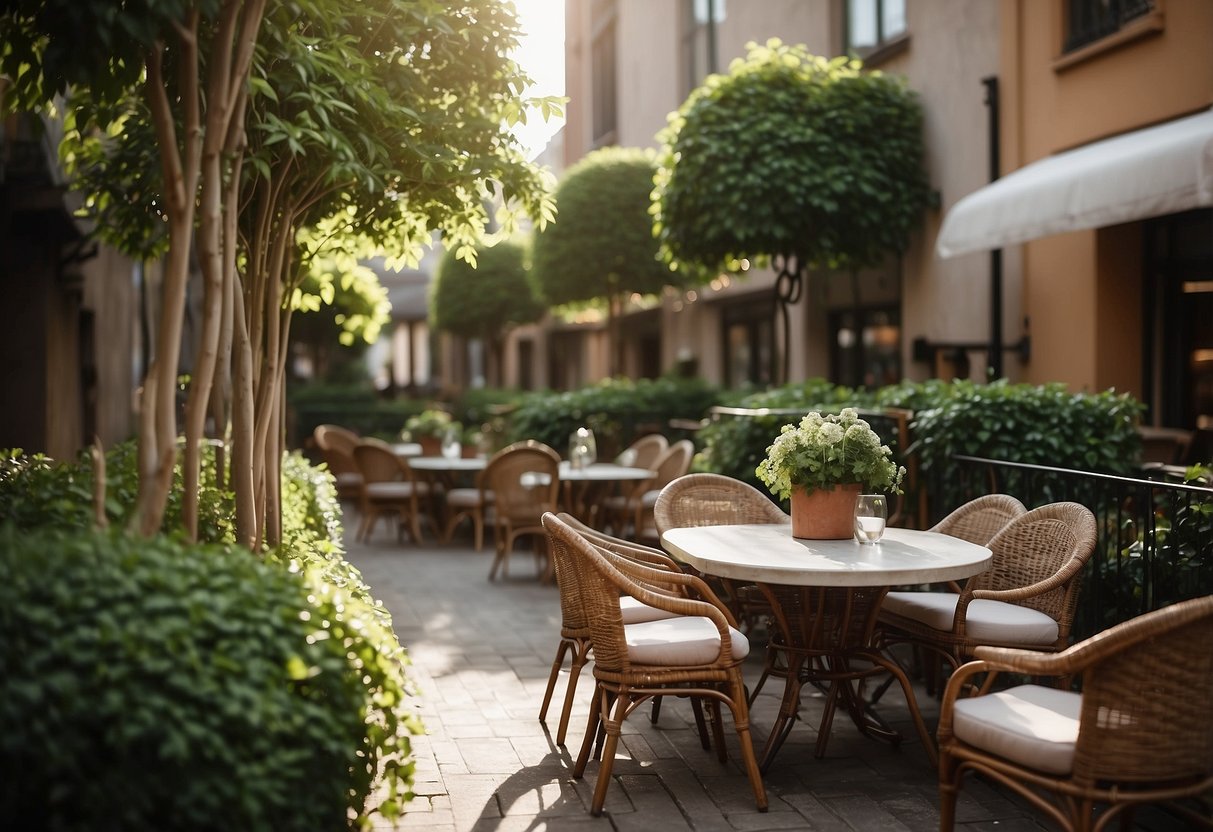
point(995, 353)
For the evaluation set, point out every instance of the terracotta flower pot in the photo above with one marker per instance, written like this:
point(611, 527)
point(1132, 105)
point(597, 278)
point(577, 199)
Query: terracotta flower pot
point(824, 514)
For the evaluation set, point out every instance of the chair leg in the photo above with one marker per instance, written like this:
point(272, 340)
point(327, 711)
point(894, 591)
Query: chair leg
point(701, 724)
point(563, 648)
point(722, 752)
point(591, 732)
point(613, 728)
point(579, 660)
point(949, 790)
point(741, 722)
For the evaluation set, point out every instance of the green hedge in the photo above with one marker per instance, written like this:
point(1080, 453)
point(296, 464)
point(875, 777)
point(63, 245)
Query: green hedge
point(617, 410)
point(317, 672)
point(1043, 424)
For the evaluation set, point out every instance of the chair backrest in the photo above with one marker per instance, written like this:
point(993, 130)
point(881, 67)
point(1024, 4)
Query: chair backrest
point(600, 581)
point(977, 521)
point(1052, 541)
point(337, 445)
point(625, 548)
point(1145, 705)
point(517, 498)
point(378, 462)
point(713, 500)
point(672, 464)
point(643, 453)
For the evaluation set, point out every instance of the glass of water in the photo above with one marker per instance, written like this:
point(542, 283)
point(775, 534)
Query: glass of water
point(870, 516)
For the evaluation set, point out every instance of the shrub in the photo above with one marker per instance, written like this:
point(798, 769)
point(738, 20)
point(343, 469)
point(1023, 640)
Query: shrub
point(144, 684)
point(615, 409)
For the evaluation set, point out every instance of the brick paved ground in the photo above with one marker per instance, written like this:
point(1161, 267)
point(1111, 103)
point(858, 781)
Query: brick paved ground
point(481, 655)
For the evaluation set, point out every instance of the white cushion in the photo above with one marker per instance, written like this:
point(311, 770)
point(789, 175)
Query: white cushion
point(466, 497)
point(349, 478)
point(636, 612)
point(1031, 725)
point(985, 621)
point(393, 490)
point(649, 498)
point(682, 641)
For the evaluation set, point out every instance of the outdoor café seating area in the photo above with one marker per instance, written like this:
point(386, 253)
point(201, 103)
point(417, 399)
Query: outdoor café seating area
point(685, 599)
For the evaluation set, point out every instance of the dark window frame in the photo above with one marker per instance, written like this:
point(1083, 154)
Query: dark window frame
point(604, 69)
point(887, 43)
point(865, 313)
point(757, 316)
point(1090, 21)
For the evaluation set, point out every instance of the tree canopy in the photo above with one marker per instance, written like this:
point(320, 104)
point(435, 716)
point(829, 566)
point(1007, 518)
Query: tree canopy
point(601, 244)
point(484, 300)
point(332, 128)
point(795, 156)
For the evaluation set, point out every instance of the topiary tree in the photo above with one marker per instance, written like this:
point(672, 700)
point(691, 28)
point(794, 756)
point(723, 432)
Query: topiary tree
point(485, 299)
point(791, 158)
point(601, 244)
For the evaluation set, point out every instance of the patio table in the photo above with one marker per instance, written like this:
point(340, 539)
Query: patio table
point(824, 597)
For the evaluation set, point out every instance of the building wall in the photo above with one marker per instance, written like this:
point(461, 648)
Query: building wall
point(952, 45)
point(1082, 290)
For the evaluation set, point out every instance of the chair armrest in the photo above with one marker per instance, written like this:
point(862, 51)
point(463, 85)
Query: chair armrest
point(655, 580)
point(715, 613)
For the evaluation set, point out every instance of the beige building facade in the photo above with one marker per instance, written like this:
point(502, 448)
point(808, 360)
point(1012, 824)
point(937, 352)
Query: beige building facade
point(1002, 85)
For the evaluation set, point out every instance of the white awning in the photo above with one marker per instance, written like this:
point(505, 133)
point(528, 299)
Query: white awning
point(1147, 173)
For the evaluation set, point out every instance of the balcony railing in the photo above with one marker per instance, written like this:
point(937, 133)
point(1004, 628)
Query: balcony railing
point(1155, 544)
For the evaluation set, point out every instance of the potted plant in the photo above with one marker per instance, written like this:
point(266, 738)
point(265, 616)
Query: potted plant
point(822, 464)
point(427, 429)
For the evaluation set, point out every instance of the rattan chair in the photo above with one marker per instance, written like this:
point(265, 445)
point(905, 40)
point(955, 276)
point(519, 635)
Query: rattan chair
point(524, 479)
point(336, 446)
point(575, 630)
point(696, 653)
point(1138, 733)
point(1025, 599)
point(633, 512)
point(468, 504)
point(388, 488)
point(644, 452)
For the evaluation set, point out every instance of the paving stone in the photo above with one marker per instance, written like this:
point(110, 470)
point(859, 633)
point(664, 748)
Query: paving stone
point(481, 655)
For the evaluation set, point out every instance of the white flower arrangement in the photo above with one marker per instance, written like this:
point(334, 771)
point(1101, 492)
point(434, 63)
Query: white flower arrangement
point(828, 450)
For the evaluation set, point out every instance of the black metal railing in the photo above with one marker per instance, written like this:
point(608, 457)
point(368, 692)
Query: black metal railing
point(1155, 543)
point(1089, 20)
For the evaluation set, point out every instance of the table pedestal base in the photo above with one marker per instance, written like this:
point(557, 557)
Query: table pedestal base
point(822, 633)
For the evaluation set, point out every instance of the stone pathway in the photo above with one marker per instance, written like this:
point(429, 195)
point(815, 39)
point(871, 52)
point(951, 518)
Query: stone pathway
point(481, 654)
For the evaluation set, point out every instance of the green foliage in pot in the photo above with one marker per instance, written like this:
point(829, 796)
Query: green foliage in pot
point(794, 155)
point(149, 685)
point(822, 451)
point(428, 423)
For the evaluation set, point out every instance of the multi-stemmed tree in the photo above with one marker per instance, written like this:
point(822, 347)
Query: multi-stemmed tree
point(330, 127)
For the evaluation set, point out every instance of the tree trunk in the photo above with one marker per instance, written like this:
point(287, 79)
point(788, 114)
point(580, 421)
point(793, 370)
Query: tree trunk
point(180, 170)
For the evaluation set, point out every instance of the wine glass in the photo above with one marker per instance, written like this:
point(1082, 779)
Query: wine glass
point(870, 514)
point(452, 448)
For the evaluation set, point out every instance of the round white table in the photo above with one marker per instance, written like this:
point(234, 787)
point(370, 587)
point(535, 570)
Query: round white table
point(585, 488)
point(824, 597)
point(459, 464)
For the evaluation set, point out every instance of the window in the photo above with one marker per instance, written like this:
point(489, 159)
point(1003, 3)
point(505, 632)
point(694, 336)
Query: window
point(749, 344)
point(865, 346)
point(1090, 20)
point(602, 69)
point(872, 24)
point(699, 21)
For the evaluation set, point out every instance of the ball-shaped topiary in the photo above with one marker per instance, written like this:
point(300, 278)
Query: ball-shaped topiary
point(601, 243)
point(148, 685)
point(791, 155)
point(488, 298)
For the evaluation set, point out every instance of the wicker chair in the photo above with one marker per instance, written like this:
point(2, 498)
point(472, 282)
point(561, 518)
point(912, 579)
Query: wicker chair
point(575, 629)
point(1025, 599)
point(644, 452)
point(388, 488)
point(695, 654)
point(634, 511)
point(468, 504)
point(524, 479)
point(336, 446)
point(1139, 733)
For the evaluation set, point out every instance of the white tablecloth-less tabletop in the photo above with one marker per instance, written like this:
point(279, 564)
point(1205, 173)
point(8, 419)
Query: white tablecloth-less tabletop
point(824, 597)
